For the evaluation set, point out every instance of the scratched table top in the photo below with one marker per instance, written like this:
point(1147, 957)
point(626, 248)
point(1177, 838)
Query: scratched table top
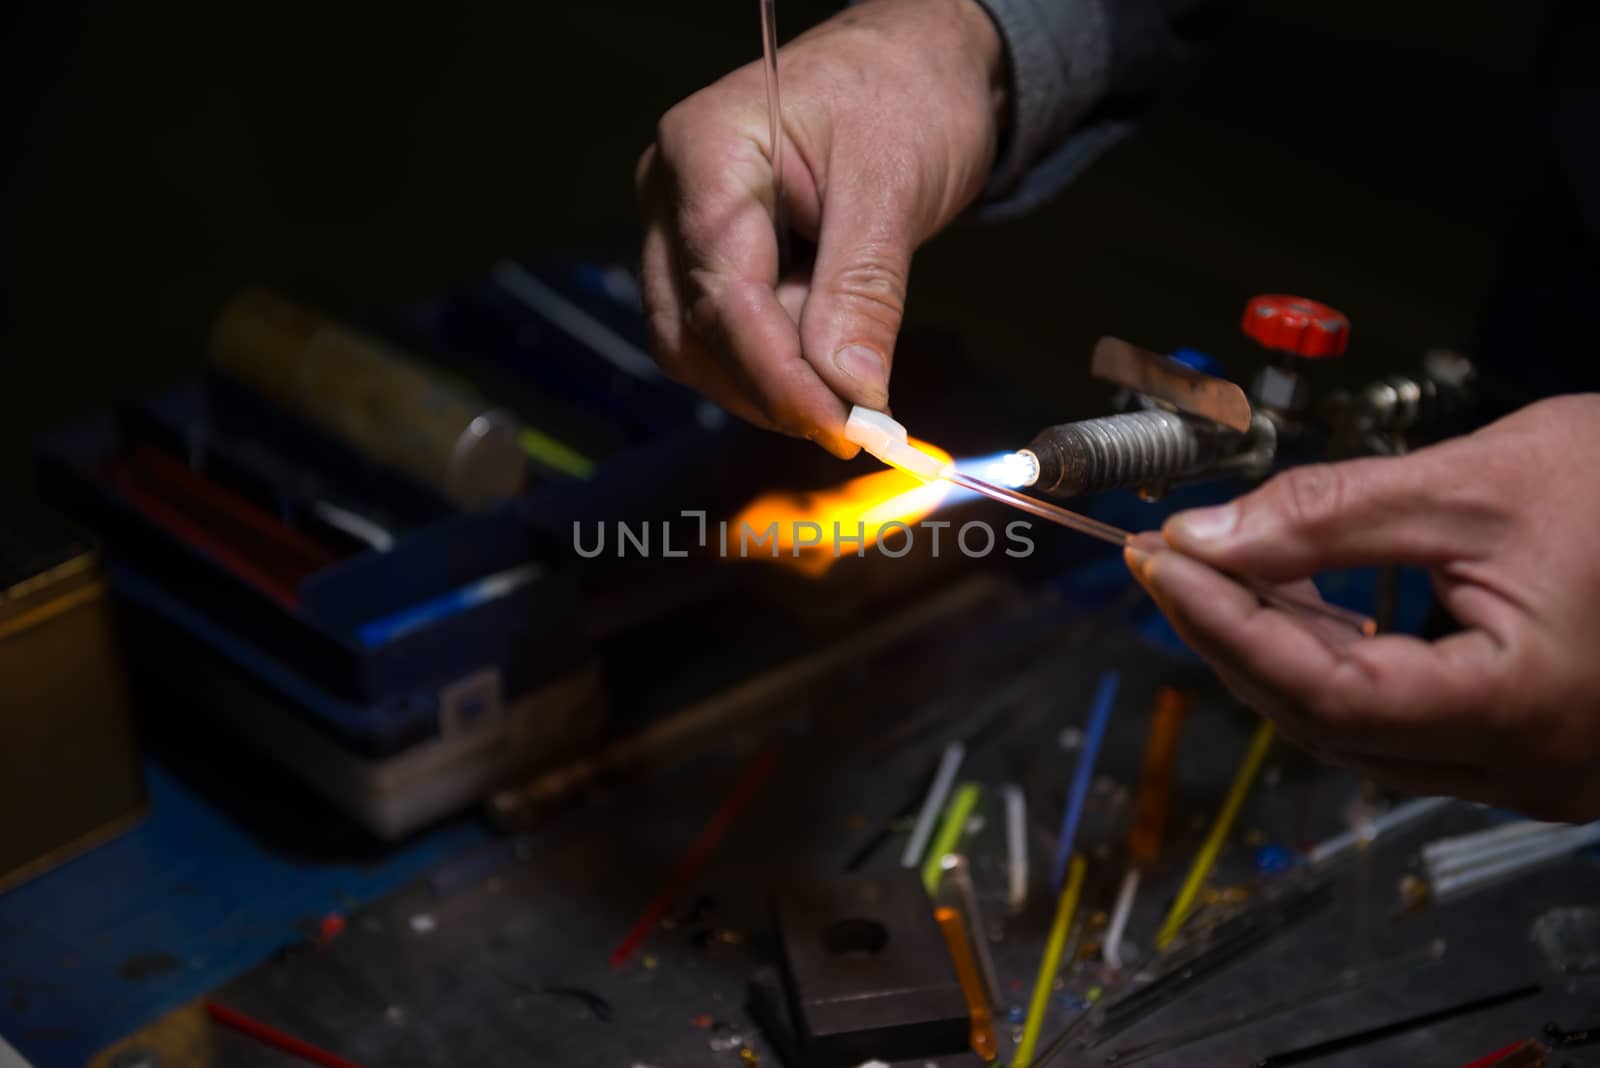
point(501, 957)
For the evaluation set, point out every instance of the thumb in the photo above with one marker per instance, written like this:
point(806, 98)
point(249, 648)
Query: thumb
point(1422, 510)
point(858, 290)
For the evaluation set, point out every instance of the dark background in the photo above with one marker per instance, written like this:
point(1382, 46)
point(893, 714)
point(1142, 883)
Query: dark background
point(1372, 154)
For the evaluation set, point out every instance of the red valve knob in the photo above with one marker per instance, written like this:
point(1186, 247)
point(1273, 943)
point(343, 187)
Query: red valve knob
point(1296, 325)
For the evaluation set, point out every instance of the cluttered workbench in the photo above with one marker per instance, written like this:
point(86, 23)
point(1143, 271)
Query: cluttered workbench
point(704, 805)
point(520, 951)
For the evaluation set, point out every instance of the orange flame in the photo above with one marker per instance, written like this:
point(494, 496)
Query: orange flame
point(860, 506)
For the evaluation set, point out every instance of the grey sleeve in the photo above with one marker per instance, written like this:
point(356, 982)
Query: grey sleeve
point(1080, 71)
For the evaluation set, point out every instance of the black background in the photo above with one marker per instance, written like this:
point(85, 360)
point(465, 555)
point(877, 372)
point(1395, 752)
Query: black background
point(1372, 154)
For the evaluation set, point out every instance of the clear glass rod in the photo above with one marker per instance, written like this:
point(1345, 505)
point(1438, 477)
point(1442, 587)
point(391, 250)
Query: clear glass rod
point(1113, 535)
point(769, 55)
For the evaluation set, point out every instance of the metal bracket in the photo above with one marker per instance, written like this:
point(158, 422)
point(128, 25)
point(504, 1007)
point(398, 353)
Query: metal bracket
point(1190, 391)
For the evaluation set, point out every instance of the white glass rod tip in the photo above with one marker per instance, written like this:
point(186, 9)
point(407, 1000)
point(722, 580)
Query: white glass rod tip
point(884, 438)
point(873, 430)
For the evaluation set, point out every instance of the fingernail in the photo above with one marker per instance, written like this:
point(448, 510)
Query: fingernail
point(1147, 541)
point(863, 365)
point(1138, 562)
point(1204, 524)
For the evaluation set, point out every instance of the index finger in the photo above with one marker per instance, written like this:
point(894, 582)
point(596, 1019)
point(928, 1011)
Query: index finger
point(1389, 695)
point(728, 256)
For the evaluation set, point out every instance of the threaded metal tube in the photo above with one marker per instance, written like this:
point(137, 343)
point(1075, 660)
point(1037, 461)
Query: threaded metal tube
point(1131, 449)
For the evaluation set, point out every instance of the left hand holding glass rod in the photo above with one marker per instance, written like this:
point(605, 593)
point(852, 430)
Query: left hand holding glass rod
point(1507, 710)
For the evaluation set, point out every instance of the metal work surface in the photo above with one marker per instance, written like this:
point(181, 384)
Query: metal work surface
point(493, 960)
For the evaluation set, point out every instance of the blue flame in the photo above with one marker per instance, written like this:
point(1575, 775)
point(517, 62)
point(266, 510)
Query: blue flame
point(1010, 469)
point(1007, 469)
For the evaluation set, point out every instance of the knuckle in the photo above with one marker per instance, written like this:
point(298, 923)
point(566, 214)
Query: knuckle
point(705, 308)
point(642, 171)
point(1311, 496)
point(874, 284)
point(679, 125)
point(1343, 703)
point(672, 126)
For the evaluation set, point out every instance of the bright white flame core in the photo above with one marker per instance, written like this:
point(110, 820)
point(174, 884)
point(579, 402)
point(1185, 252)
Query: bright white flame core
point(1013, 470)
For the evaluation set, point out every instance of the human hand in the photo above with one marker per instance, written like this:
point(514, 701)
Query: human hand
point(891, 120)
point(1506, 711)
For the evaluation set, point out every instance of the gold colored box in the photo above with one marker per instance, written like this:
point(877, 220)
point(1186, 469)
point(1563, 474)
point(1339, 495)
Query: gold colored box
point(69, 766)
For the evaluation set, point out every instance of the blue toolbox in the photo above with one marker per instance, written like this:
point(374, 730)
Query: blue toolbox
point(403, 633)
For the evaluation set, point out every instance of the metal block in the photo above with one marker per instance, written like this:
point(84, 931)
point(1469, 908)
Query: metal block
point(770, 1010)
point(867, 972)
